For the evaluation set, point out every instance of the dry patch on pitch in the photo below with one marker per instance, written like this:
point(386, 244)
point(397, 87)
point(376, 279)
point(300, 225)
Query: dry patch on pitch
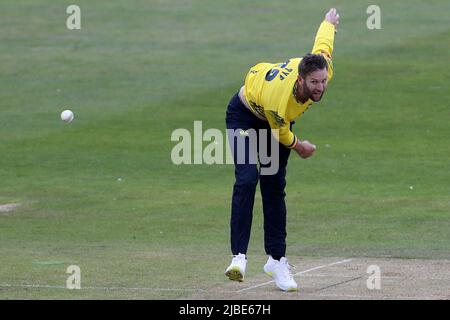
point(9, 207)
point(343, 279)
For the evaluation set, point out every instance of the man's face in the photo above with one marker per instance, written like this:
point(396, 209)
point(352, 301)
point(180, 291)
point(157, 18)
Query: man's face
point(314, 85)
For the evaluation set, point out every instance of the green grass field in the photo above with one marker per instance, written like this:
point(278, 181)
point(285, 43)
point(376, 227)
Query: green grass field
point(103, 194)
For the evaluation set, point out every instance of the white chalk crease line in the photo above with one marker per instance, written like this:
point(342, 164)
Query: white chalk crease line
point(297, 274)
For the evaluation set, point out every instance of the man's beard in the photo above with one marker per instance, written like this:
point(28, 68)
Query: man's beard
point(308, 93)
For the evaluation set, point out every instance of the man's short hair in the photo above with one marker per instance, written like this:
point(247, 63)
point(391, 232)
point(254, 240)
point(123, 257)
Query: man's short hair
point(310, 63)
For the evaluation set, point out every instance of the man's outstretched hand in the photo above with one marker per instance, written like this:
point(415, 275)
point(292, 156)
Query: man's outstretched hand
point(305, 149)
point(332, 17)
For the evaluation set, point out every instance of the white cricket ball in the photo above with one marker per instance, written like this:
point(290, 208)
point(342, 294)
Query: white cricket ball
point(67, 116)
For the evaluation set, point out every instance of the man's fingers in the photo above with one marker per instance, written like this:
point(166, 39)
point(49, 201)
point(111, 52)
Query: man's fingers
point(332, 16)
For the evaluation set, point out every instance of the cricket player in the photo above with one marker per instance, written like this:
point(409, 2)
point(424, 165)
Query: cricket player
point(272, 97)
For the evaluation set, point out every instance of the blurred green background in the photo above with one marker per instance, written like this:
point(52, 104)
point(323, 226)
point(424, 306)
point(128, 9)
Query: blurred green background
point(103, 193)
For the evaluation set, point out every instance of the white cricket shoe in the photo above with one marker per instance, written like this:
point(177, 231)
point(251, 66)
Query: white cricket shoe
point(236, 270)
point(280, 271)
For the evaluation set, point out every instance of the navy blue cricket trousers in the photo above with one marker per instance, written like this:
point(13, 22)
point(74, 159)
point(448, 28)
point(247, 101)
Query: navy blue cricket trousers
point(247, 174)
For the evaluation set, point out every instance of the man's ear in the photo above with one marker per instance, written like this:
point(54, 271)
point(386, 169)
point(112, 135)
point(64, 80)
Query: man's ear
point(300, 79)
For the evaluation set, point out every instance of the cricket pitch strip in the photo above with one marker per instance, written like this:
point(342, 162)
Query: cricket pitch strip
point(345, 279)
